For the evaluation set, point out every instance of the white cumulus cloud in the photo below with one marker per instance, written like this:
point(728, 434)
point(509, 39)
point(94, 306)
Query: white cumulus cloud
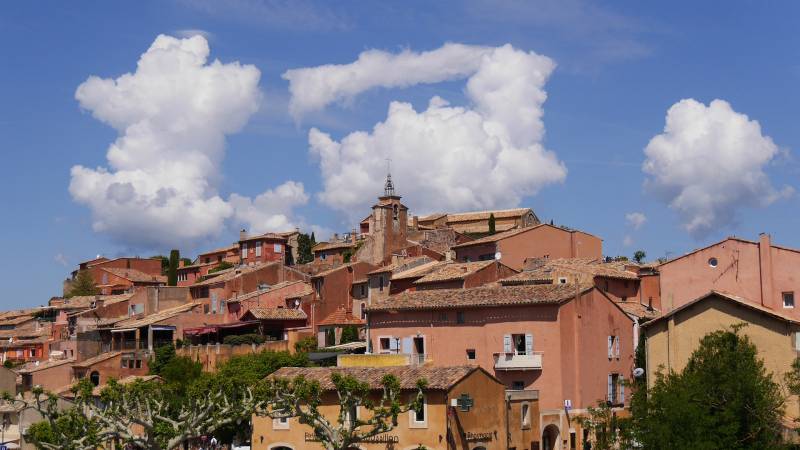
point(709, 163)
point(487, 154)
point(172, 115)
point(635, 219)
point(313, 88)
point(271, 210)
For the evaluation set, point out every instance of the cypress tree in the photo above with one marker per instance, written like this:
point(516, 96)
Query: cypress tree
point(492, 224)
point(172, 272)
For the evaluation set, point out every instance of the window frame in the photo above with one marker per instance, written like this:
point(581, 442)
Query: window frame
point(784, 296)
point(412, 414)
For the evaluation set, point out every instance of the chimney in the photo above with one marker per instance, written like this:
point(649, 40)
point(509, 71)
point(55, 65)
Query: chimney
point(243, 234)
point(335, 237)
point(449, 255)
point(765, 265)
point(353, 236)
point(415, 223)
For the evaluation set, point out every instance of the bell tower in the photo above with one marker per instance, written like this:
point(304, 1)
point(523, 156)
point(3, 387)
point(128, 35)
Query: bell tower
point(389, 223)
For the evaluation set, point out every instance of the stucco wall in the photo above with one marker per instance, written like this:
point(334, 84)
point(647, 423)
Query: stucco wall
point(670, 343)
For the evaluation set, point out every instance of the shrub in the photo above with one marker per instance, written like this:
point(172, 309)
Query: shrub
point(244, 339)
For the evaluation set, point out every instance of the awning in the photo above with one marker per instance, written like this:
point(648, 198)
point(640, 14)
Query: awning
point(199, 331)
point(248, 323)
point(122, 330)
point(162, 328)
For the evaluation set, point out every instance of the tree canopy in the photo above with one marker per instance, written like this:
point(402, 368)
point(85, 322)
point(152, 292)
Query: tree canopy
point(83, 284)
point(723, 399)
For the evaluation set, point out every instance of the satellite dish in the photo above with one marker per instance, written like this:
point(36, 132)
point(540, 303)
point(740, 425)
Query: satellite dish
point(498, 255)
point(637, 372)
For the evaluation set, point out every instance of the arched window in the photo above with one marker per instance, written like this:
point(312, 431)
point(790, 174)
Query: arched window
point(94, 377)
point(396, 210)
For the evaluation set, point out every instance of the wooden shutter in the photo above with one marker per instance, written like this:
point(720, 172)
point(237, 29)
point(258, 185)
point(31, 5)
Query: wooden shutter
point(407, 345)
point(616, 348)
point(610, 388)
point(528, 344)
point(621, 389)
point(507, 343)
point(610, 347)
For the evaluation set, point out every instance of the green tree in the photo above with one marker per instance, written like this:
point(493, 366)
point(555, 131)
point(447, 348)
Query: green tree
point(313, 240)
point(639, 256)
point(83, 285)
point(221, 266)
point(349, 334)
point(172, 271)
point(304, 253)
point(279, 398)
point(492, 224)
point(163, 356)
point(607, 430)
point(306, 345)
point(723, 399)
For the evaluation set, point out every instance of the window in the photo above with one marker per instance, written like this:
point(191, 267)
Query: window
point(105, 278)
point(562, 280)
point(323, 256)
point(258, 248)
point(222, 306)
point(363, 311)
point(205, 308)
point(470, 354)
point(788, 299)
point(613, 347)
point(712, 262)
point(32, 353)
point(277, 248)
point(460, 316)
point(443, 317)
point(363, 289)
point(389, 344)
point(138, 363)
point(352, 415)
point(280, 423)
point(616, 389)
point(519, 344)
point(419, 416)
point(380, 283)
point(136, 309)
point(214, 303)
point(525, 414)
point(518, 385)
point(244, 250)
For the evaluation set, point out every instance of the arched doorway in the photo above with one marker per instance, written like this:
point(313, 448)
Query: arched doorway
point(282, 447)
point(94, 377)
point(550, 437)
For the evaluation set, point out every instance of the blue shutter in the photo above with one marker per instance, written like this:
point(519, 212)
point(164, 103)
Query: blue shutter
point(529, 344)
point(507, 343)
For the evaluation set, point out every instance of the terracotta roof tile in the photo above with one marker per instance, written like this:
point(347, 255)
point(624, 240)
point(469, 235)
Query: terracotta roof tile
point(307, 290)
point(332, 246)
point(88, 362)
point(729, 297)
point(232, 273)
point(484, 215)
point(402, 265)
point(479, 297)
point(42, 365)
point(271, 236)
point(220, 250)
point(341, 317)
point(639, 310)
point(438, 378)
point(454, 271)
point(418, 271)
point(277, 314)
point(325, 273)
point(587, 266)
point(134, 275)
point(156, 317)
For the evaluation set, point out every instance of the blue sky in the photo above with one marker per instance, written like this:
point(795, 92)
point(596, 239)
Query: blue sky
point(619, 68)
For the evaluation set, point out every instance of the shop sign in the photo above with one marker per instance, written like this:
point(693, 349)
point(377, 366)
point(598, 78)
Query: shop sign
point(475, 437)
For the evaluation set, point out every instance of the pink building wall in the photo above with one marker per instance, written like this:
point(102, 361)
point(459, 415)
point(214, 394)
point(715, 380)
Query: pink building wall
point(573, 338)
point(537, 242)
point(757, 271)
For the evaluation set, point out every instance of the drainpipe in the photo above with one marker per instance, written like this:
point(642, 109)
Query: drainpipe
point(508, 429)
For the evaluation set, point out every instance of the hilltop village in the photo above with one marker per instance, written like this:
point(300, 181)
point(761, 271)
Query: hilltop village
point(518, 326)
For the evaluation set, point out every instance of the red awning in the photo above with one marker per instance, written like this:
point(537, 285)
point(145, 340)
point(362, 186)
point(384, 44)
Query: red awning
point(199, 330)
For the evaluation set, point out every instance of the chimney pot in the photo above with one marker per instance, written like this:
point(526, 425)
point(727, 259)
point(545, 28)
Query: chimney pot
point(243, 234)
